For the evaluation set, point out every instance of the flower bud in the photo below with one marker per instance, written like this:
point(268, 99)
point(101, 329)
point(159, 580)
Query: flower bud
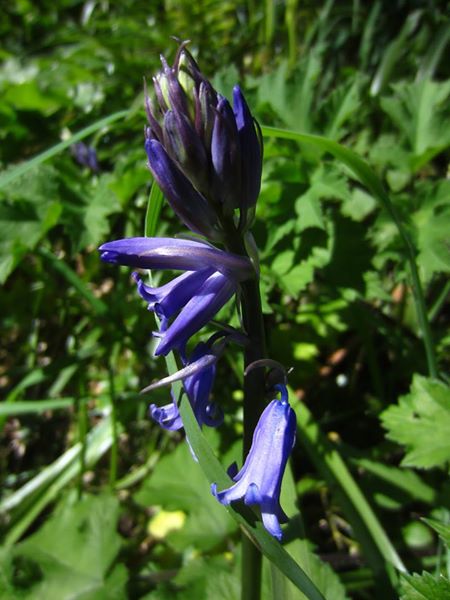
point(215, 149)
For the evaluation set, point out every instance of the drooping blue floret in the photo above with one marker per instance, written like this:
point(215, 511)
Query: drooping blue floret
point(198, 388)
point(194, 300)
point(167, 416)
point(190, 301)
point(176, 254)
point(259, 480)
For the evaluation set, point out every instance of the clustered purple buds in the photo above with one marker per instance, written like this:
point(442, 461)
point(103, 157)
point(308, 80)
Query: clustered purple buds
point(206, 157)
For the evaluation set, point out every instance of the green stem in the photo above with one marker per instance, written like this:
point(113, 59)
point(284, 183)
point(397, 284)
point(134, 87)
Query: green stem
point(253, 407)
point(439, 302)
point(254, 391)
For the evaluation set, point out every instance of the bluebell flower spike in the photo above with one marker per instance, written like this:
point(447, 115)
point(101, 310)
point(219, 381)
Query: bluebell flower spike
point(259, 480)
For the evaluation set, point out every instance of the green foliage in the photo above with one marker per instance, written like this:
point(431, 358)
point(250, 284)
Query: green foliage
point(179, 484)
point(363, 90)
point(420, 111)
point(424, 587)
point(421, 422)
point(72, 555)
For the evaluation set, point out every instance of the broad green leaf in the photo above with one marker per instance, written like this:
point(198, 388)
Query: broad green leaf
point(374, 185)
point(424, 587)
point(29, 209)
point(309, 211)
point(215, 578)
point(72, 554)
point(417, 535)
point(341, 106)
point(358, 205)
point(292, 96)
point(421, 422)
point(102, 203)
point(442, 529)
point(178, 483)
point(421, 110)
point(431, 223)
point(434, 243)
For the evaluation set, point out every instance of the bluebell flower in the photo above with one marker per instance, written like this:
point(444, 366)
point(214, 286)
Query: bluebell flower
point(189, 301)
point(205, 155)
point(85, 156)
point(197, 387)
point(167, 416)
point(259, 480)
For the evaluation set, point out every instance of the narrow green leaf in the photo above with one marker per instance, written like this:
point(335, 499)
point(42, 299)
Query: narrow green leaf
point(13, 173)
point(33, 406)
point(30, 500)
point(375, 543)
point(72, 278)
point(154, 205)
point(434, 53)
point(253, 527)
point(246, 518)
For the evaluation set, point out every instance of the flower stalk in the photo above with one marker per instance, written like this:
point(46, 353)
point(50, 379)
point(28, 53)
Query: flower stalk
point(254, 391)
point(206, 156)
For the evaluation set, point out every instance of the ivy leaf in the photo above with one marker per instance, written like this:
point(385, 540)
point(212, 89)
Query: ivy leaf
point(424, 587)
point(421, 422)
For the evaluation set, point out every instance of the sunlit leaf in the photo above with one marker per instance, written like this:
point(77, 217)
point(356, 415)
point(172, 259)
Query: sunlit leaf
point(421, 422)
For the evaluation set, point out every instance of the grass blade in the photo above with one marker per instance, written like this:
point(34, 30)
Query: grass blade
point(27, 407)
point(13, 173)
point(154, 205)
point(328, 461)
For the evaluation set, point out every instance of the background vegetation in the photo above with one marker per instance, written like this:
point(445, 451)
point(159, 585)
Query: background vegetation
point(97, 502)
